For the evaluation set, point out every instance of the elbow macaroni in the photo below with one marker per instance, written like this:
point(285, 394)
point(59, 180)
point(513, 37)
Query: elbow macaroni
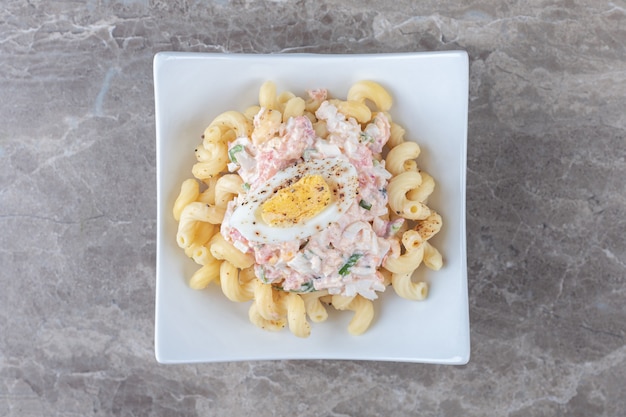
point(202, 202)
point(398, 188)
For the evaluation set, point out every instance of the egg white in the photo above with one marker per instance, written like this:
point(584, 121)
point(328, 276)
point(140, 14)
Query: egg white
point(342, 179)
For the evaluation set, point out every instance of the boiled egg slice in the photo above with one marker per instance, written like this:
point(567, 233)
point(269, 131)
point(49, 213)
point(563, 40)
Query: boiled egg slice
point(297, 202)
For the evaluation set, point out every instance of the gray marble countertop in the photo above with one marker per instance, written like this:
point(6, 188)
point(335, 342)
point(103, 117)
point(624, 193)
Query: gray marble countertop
point(546, 208)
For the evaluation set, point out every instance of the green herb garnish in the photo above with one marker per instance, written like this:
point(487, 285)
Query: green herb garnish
point(365, 204)
point(352, 260)
point(232, 151)
point(306, 287)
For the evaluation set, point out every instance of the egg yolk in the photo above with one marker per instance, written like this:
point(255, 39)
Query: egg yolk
point(297, 203)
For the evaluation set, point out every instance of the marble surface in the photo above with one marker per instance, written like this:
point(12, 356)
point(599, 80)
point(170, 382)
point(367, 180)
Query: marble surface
point(546, 208)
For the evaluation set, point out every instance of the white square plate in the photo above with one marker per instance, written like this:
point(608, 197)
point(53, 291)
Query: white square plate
point(430, 92)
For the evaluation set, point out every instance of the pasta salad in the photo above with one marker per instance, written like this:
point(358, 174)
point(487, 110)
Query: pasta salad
point(301, 203)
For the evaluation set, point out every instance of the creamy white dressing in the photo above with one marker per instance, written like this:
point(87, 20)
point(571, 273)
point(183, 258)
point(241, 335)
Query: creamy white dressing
point(344, 257)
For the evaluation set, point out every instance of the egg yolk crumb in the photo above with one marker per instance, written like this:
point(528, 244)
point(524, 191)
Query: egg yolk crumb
point(297, 203)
